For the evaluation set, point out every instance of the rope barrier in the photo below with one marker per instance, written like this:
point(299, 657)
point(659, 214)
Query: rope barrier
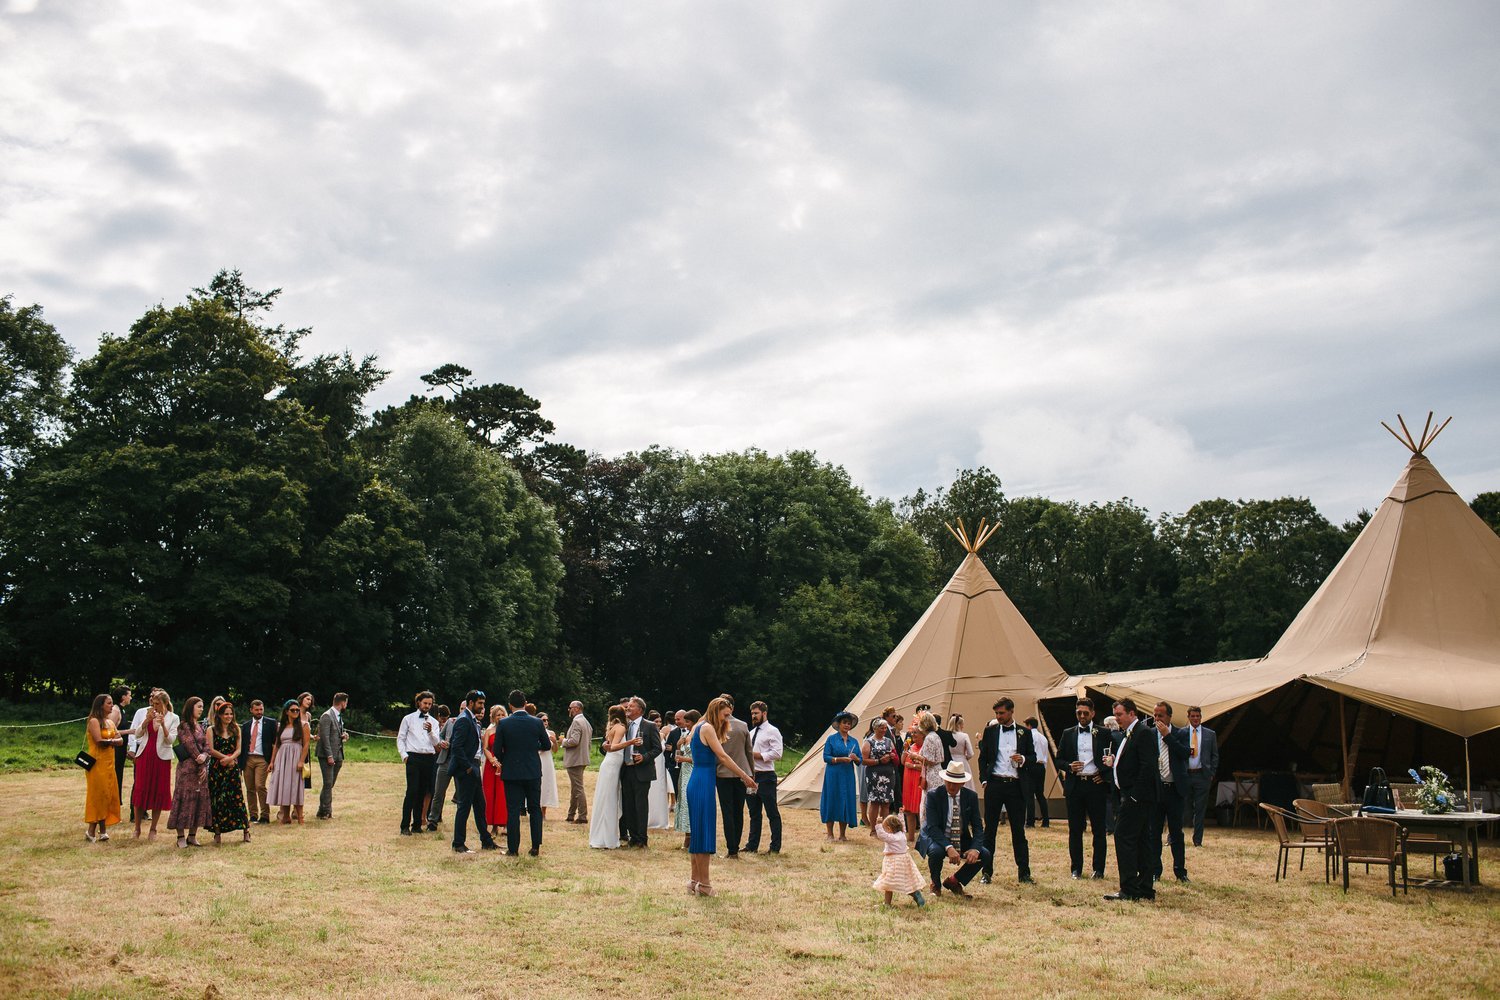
point(43, 725)
point(376, 736)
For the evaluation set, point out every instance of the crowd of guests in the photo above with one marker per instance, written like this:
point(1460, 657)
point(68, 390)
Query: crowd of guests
point(1134, 777)
point(229, 774)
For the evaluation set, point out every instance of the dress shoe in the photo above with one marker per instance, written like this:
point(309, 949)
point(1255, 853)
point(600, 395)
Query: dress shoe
point(462, 850)
point(954, 886)
point(491, 846)
point(1026, 880)
point(1183, 877)
point(1077, 873)
point(1122, 896)
point(1097, 875)
point(406, 833)
point(535, 851)
point(432, 828)
point(984, 878)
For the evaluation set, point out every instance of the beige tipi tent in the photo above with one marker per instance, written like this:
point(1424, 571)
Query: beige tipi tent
point(1408, 621)
point(970, 647)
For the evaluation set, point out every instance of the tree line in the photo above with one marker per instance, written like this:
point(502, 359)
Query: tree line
point(200, 505)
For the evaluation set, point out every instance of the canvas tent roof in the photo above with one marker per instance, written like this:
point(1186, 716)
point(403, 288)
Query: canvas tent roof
point(1409, 621)
point(970, 646)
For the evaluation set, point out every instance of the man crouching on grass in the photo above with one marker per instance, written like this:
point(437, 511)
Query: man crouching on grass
point(952, 832)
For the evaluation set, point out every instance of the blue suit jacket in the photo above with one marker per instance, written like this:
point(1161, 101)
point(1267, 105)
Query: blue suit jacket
point(464, 745)
point(519, 738)
point(935, 827)
point(1177, 755)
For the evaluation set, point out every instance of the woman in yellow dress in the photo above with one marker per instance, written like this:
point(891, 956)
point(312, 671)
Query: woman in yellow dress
point(101, 804)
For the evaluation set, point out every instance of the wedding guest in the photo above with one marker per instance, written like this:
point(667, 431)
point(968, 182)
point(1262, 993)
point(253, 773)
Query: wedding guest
point(257, 747)
point(963, 746)
point(881, 758)
point(226, 799)
point(839, 803)
point(331, 739)
point(895, 719)
point(913, 764)
point(682, 820)
point(731, 794)
point(576, 746)
point(191, 807)
point(607, 828)
point(416, 741)
point(101, 800)
point(305, 699)
point(765, 750)
point(213, 707)
point(1203, 761)
point(284, 774)
point(116, 717)
point(549, 766)
point(898, 872)
point(952, 832)
point(464, 765)
point(440, 777)
point(707, 746)
point(670, 737)
point(932, 750)
point(1036, 776)
point(151, 790)
point(520, 739)
point(1005, 751)
point(496, 816)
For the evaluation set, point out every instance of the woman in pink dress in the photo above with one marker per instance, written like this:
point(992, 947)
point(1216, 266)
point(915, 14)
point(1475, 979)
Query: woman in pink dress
point(284, 775)
point(152, 791)
point(190, 803)
point(495, 814)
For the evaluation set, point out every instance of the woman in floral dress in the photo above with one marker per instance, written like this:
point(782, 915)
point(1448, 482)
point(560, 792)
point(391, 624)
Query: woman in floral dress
point(225, 793)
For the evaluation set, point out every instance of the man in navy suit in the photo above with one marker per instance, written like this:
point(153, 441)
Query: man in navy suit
point(1203, 762)
point(1173, 798)
point(463, 768)
point(952, 832)
point(520, 738)
point(1136, 773)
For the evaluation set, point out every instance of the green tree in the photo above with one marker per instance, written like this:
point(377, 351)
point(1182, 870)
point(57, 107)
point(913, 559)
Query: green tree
point(1487, 506)
point(33, 364)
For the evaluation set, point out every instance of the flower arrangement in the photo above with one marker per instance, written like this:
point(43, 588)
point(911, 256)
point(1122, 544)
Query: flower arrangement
point(1434, 794)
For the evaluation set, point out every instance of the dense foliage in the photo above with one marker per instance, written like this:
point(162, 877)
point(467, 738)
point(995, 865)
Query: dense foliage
point(198, 506)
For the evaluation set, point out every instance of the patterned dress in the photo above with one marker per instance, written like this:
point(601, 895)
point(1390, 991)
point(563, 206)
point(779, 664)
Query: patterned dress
point(882, 776)
point(225, 792)
point(190, 804)
point(682, 821)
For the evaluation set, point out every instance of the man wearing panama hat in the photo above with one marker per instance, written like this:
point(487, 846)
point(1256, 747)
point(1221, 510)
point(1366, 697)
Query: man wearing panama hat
point(952, 832)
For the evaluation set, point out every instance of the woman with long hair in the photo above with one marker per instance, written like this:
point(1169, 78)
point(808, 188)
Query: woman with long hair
point(224, 790)
point(682, 821)
point(496, 815)
point(604, 824)
point(101, 798)
point(305, 701)
point(284, 775)
point(152, 790)
point(190, 803)
point(707, 745)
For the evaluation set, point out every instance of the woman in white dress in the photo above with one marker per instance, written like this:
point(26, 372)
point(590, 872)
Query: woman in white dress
point(658, 808)
point(549, 768)
point(963, 747)
point(604, 824)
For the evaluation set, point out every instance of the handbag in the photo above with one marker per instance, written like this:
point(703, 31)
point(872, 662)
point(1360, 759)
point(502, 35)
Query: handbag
point(84, 760)
point(1378, 797)
point(181, 752)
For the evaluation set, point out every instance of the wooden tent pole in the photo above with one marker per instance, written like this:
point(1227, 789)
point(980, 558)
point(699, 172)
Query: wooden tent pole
point(1468, 782)
point(1435, 433)
point(1394, 434)
point(1344, 746)
point(1412, 442)
point(1425, 428)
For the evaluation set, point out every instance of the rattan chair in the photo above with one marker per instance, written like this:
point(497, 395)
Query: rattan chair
point(1316, 820)
point(1329, 794)
point(1280, 820)
point(1366, 840)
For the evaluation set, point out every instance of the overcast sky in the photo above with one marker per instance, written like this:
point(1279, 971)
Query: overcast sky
point(1167, 252)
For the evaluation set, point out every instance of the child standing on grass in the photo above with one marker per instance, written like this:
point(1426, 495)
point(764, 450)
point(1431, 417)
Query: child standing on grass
point(898, 872)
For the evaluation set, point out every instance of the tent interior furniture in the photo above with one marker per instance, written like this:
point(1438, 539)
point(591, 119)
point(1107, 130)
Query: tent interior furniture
point(1466, 825)
point(1316, 820)
point(1246, 795)
point(1369, 841)
point(1282, 822)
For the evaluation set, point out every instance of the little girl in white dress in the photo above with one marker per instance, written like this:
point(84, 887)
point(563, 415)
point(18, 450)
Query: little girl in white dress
point(898, 872)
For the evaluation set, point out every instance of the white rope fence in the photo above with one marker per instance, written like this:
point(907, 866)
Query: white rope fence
point(43, 725)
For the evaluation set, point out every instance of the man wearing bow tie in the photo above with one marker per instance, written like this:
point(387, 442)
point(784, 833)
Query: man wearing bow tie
point(1137, 775)
point(1005, 752)
point(1080, 763)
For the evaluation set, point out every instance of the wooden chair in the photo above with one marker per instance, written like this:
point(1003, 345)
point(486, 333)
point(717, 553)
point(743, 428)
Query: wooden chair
point(1329, 794)
point(1286, 843)
point(1368, 840)
point(1246, 794)
point(1320, 817)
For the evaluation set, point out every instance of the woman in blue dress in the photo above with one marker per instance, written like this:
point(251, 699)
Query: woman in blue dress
point(707, 745)
point(840, 800)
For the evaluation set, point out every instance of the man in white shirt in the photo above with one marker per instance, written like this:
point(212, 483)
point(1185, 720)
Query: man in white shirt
point(1203, 762)
point(765, 750)
point(418, 742)
point(1036, 774)
point(1005, 751)
point(257, 745)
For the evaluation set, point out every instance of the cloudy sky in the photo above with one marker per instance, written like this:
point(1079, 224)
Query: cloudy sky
point(1121, 249)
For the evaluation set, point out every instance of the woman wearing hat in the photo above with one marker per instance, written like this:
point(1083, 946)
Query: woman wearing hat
point(840, 800)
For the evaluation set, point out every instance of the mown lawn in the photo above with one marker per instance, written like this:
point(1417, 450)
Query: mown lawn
point(349, 909)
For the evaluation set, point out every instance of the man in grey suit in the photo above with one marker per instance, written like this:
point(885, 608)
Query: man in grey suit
point(331, 739)
point(1203, 763)
point(440, 781)
point(576, 746)
point(731, 785)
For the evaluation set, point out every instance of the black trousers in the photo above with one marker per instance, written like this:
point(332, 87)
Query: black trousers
point(937, 856)
point(1168, 813)
point(732, 808)
point(1011, 796)
point(1036, 799)
point(470, 798)
point(1200, 787)
point(1087, 801)
point(419, 775)
point(525, 793)
point(1132, 848)
point(764, 798)
point(635, 808)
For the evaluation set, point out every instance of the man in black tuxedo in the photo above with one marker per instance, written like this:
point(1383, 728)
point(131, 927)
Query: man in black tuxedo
point(951, 833)
point(463, 768)
point(1135, 765)
point(1172, 743)
point(1006, 750)
point(1080, 764)
point(639, 771)
point(520, 739)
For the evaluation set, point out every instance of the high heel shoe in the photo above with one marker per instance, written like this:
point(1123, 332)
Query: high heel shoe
point(181, 842)
point(692, 888)
point(704, 889)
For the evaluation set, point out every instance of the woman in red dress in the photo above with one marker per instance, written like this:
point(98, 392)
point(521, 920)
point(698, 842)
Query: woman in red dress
point(912, 786)
point(152, 791)
point(494, 789)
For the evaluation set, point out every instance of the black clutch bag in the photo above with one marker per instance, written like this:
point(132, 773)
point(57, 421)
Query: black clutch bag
point(84, 760)
point(181, 752)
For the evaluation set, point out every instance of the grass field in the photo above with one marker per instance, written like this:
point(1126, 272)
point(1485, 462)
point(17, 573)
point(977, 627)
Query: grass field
point(349, 909)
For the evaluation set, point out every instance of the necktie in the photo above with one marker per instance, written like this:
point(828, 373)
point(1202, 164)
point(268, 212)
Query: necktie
point(1161, 760)
point(953, 819)
point(255, 734)
point(1194, 750)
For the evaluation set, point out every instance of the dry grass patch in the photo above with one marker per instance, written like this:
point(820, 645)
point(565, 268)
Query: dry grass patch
point(350, 909)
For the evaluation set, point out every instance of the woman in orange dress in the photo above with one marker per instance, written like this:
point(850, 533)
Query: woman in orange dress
point(101, 803)
point(495, 815)
point(913, 765)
